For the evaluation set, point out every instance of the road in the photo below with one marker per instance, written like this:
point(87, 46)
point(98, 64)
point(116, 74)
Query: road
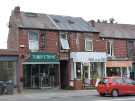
point(64, 96)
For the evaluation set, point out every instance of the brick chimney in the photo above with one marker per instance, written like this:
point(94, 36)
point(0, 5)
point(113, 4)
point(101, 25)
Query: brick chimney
point(17, 10)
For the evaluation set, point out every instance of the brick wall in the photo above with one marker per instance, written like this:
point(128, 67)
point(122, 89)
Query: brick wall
point(52, 42)
point(120, 48)
point(99, 45)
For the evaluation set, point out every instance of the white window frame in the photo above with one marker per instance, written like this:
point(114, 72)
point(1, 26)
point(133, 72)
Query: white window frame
point(110, 47)
point(90, 41)
point(64, 41)
point(30, 42)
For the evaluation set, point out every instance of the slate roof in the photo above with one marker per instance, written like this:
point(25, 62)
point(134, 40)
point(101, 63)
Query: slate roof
point(36, 20)
point(123, 31)
point(71, 23)
point(54, 22)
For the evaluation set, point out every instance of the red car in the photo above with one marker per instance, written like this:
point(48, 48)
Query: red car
point(116, 86)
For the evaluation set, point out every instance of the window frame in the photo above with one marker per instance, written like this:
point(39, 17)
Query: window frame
point(130, 48)
point(30, 41)
point(91, 42)
point(43, 39)
point(61, 39)
point(111, 49)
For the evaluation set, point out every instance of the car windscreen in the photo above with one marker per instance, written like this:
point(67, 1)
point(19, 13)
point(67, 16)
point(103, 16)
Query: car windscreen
point(104, 81)
point(117, 80)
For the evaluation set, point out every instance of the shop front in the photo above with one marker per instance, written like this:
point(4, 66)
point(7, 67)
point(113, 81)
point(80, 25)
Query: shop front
point(119, 68)
point(41, 70)
point(86, 67)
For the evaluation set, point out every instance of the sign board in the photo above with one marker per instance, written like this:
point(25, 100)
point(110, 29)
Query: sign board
point(88, 56)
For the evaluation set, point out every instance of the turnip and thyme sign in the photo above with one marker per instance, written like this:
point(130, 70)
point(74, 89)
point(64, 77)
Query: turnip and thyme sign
point(42, 57)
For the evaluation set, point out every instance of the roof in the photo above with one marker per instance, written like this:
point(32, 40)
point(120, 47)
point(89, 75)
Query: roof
point(122, 31)
point(36, 20)
point(54, 22)
point(71, 23)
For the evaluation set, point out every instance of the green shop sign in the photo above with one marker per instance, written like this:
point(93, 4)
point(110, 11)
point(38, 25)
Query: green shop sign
point(42, 57)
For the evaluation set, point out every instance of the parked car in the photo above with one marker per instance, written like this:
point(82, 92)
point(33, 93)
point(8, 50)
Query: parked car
point(116, 86)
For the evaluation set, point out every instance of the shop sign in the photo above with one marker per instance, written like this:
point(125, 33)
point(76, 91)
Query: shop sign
point(88, 56)
point(101, 59)
point(43, 57)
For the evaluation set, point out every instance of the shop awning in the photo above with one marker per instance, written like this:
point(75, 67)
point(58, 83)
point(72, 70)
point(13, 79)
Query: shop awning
point(42, 58)
point(118, 63)
point(88, 56)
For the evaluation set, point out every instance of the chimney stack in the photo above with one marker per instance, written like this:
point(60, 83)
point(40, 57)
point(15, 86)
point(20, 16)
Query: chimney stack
point(17, 10)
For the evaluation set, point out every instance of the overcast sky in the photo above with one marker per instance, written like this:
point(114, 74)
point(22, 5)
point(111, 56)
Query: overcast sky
point(123, 11)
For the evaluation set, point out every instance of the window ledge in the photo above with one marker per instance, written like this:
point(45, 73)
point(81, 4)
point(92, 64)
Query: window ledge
point(64, 50)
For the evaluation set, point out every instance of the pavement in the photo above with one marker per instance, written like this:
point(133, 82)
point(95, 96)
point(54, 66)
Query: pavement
point(61, 95)
point(45, 94)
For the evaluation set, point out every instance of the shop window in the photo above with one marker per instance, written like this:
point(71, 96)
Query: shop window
point(110, 48)
point(88, 44)
point(93, 71)
point(64, 41)
point(43, 39)
point(78, 70)
point(124, 71)
point(33, 40)
point(113, 71)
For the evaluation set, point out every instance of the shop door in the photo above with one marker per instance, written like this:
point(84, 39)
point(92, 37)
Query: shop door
point(86, 73)
point(47, 76)
point(63, 74)
point(44, 80)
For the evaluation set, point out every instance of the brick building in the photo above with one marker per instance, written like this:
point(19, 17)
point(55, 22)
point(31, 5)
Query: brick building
point(55, 51)
point(119, 41)
point(8, 65)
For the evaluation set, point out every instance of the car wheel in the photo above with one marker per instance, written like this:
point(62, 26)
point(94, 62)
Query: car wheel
point(101, 94)
point(115, 93)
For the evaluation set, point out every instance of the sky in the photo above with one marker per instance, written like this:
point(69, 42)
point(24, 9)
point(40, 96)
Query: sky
point(121, 10)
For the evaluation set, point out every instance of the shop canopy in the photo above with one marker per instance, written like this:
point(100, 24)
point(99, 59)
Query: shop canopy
point(88, 56)
point(42, 58)
point(119, 64)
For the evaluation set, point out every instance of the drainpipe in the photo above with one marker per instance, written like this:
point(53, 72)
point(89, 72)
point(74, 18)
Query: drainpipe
point(105, 69)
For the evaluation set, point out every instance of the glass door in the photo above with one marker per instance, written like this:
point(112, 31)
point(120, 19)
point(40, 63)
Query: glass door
point(86, 74)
